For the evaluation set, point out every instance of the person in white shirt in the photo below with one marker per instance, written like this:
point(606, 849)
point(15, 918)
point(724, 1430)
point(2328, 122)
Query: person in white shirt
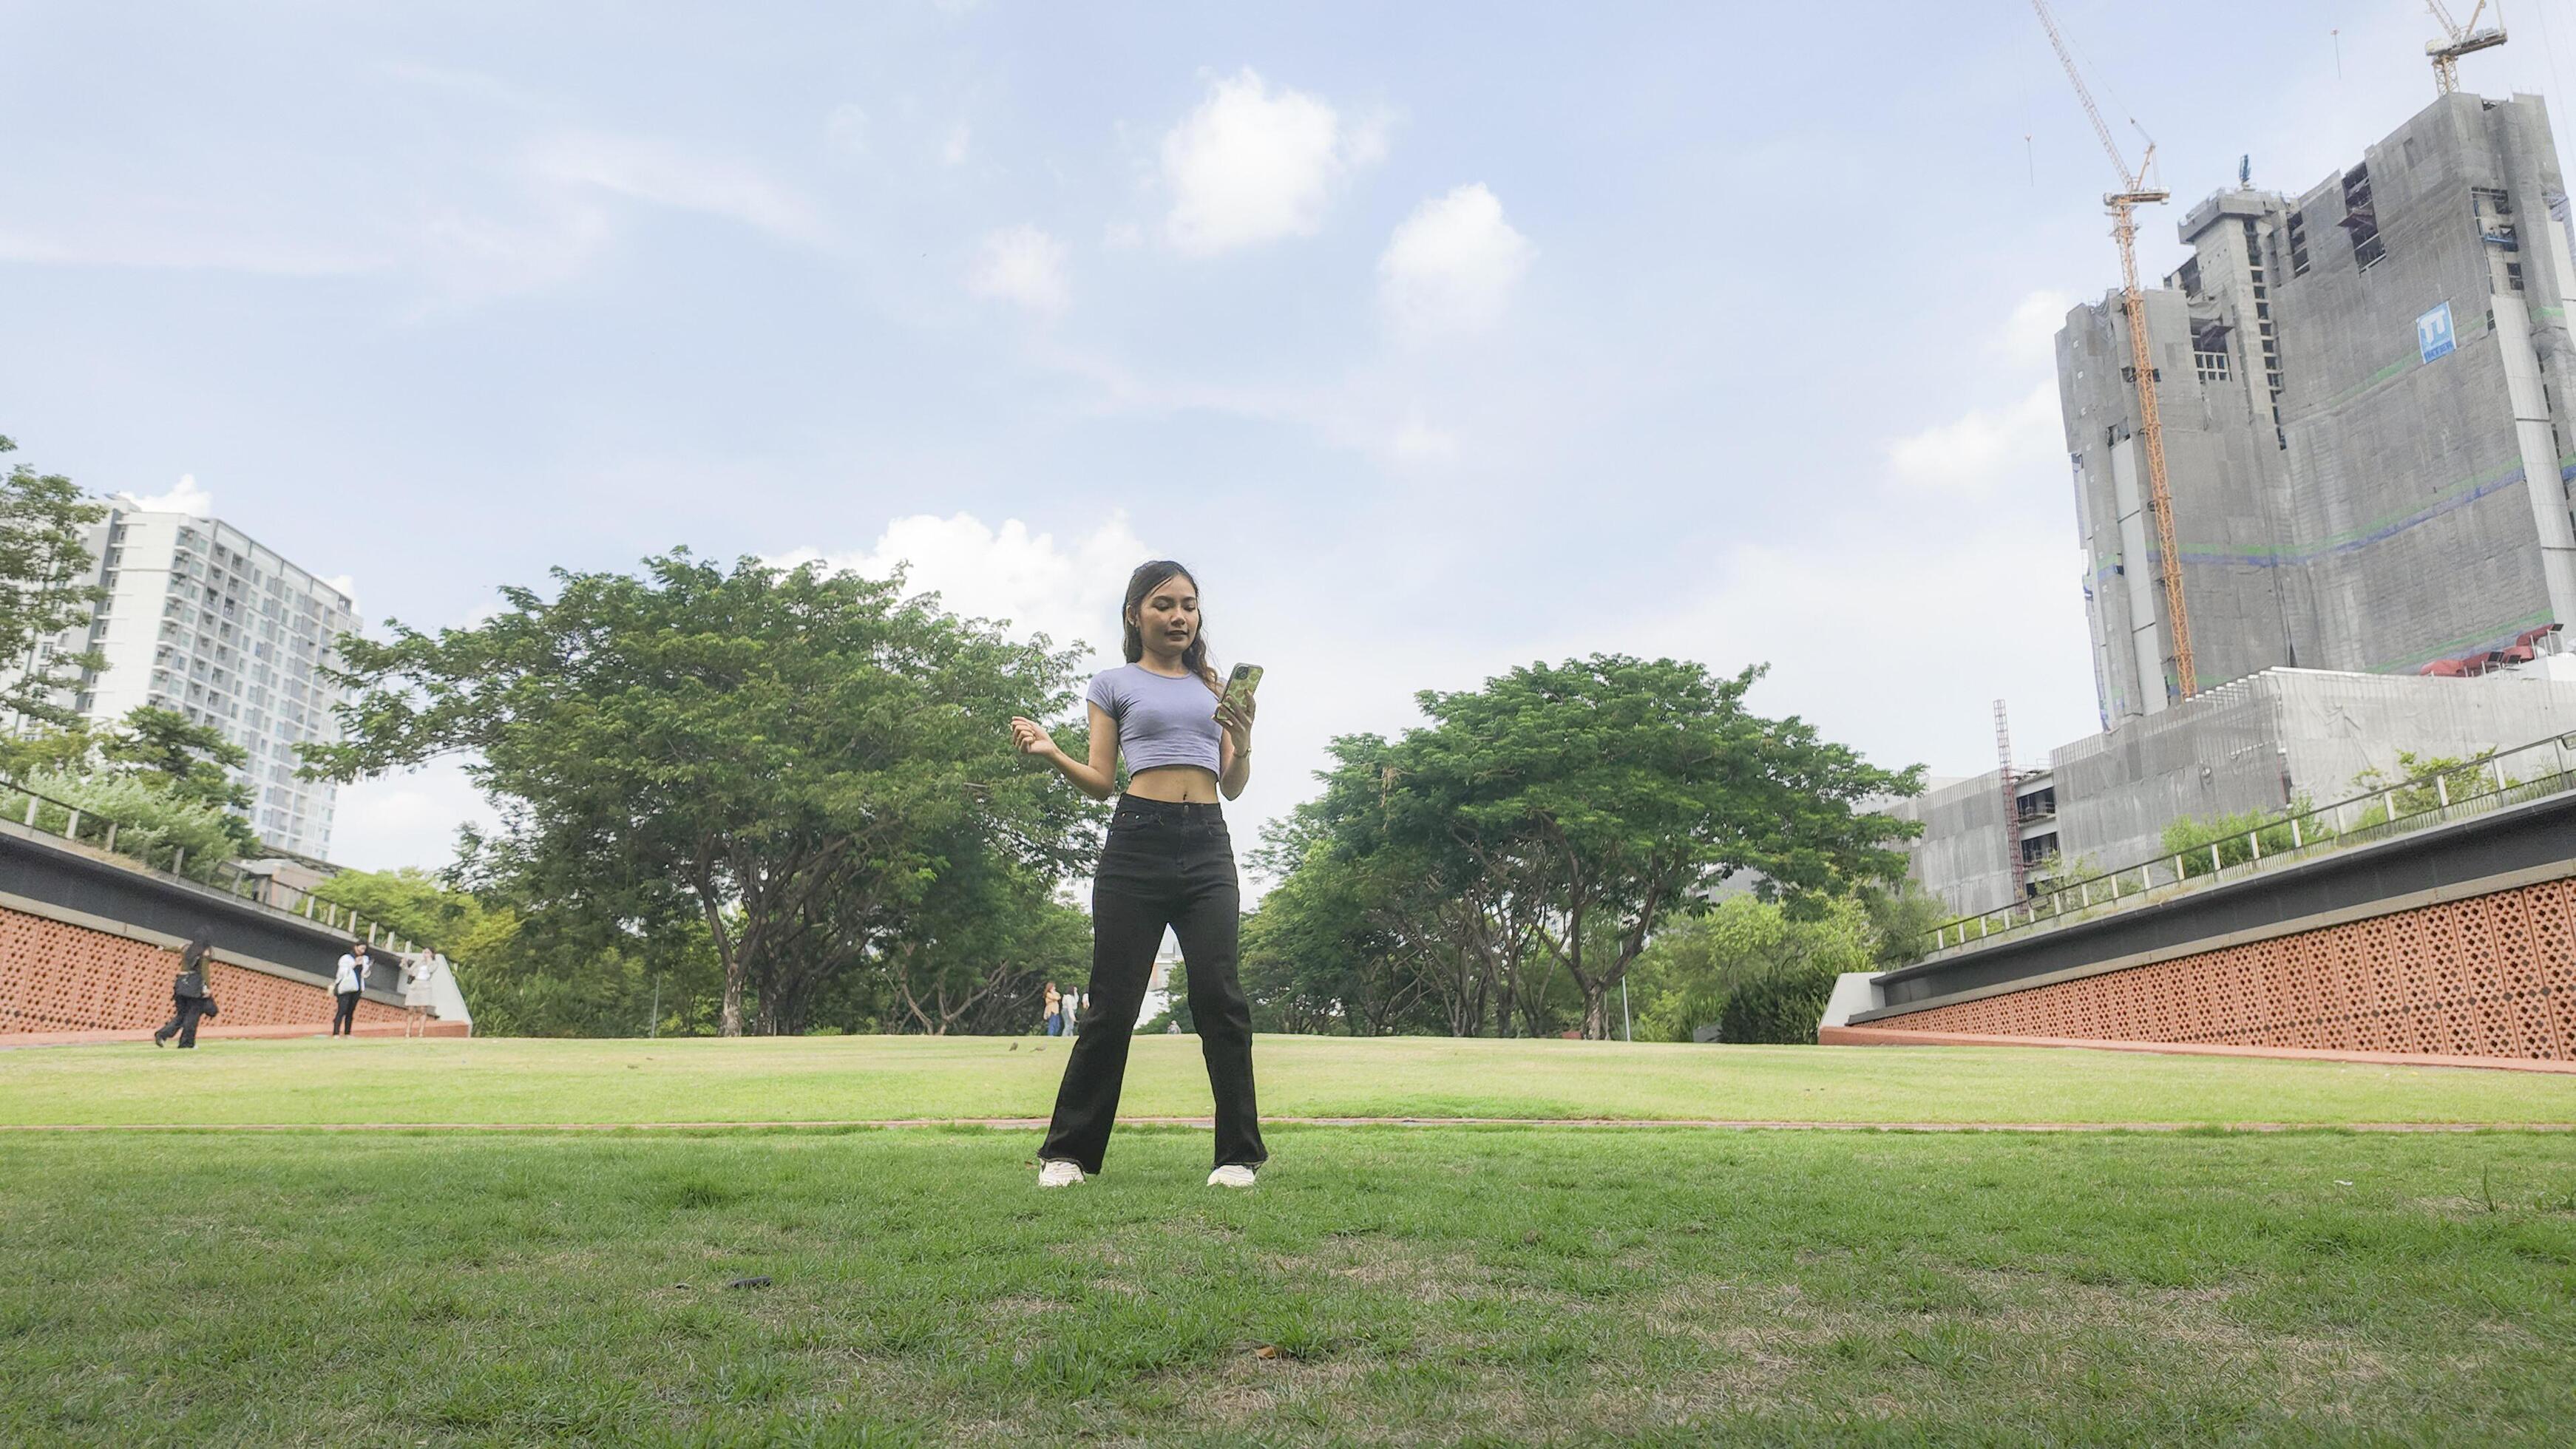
point(416, 991)
point(345, 986)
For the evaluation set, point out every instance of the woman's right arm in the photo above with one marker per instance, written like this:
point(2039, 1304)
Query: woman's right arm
point(1096, 777)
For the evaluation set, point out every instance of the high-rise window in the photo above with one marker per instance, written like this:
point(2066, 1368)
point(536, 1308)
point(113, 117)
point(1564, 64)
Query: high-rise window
point(2361, 219)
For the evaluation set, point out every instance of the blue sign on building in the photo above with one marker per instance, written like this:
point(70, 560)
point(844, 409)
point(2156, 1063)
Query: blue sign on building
point(2433, 336)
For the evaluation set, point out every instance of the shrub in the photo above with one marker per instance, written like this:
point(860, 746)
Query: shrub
point(152, 825)
point(1781, 1006)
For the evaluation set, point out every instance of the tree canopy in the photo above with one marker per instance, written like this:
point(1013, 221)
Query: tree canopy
point(44, 560)
point(802, 764)
point(1535, 833)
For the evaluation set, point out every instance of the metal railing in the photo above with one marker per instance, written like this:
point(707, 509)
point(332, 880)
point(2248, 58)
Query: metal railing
point(23, 805)
point(2490, 782)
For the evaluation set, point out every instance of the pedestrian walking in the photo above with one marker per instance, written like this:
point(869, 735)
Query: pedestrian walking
point(189, 997)
point(1054, 1011)
point(1168, 863)
point(346, 983)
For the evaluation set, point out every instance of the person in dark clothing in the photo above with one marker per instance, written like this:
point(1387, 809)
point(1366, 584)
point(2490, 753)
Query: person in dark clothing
point(1186, 738)
point(345, 986)
point(189, 998)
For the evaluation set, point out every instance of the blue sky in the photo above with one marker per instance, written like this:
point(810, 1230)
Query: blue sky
point(1436, 337)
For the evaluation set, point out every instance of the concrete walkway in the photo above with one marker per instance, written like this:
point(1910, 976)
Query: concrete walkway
point(225, 1033)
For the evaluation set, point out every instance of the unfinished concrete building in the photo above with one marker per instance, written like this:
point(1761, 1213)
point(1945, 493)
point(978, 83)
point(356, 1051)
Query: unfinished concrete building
point(2364, 392)
point(2253, 744)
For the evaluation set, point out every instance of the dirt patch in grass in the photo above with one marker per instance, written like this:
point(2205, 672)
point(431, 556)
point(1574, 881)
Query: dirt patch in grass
point(1247, 1392)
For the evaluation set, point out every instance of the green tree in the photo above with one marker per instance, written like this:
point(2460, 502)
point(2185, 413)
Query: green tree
point(191, 761)
point(413, 904)
point(1388, 913)
point(1748, 966)
point(1624, 791)
point(152, 825)
point(790, 758)
point(540, 977)
point(2457, 782)
point(1339, 944)
point(1901, 915)
point(44, 562)
point(57, 749)
point(984, 942)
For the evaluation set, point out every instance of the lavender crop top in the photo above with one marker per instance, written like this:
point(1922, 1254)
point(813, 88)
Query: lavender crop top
point(1161, 720)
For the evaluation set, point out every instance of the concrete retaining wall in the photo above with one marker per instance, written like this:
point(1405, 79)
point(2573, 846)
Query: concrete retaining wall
point(89, 943)
point(2453, 942)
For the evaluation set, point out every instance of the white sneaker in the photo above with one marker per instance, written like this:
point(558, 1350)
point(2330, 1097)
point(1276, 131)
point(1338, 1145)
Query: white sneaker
point(1233, 1174)
point(1059, 1173)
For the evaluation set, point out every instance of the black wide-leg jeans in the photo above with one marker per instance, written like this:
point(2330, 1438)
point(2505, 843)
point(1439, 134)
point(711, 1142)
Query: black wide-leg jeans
point(1165, 864)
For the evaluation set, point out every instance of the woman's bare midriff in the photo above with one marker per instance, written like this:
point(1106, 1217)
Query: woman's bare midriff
point(1185, 784)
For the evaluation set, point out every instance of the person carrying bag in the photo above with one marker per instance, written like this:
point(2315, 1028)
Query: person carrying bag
point(189, 998)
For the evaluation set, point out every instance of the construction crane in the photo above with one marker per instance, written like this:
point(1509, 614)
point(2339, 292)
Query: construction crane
point(2122, 204)
point(2464, 39)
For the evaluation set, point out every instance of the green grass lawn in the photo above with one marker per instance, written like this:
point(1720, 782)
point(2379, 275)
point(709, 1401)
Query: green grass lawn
point(846, 1078)
point(1497, 1285)
point(1382, 1284)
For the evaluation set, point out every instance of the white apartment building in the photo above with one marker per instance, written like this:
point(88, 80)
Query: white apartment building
point(201, 619)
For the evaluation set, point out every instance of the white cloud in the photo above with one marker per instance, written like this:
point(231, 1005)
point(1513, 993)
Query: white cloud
point(953, 151)
point(1068, 592)
point(406, 819)
point(2030, 335)
point(1022, 264)
point(1253, 165)
point(347, 585)
point(668, 175)
point(569, 218)
point(1122, 236)
point(478, 256)
point(845, 130)
point(1874, 613)
point(184, 497)
point(1986, 447)
point(1452, 265)
point(1971, 454)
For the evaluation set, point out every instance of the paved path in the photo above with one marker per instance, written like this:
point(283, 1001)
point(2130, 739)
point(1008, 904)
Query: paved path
point(1035, 1124)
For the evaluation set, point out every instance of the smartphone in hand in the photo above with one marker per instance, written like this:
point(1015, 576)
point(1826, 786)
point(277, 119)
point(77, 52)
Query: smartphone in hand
point(1240, 685)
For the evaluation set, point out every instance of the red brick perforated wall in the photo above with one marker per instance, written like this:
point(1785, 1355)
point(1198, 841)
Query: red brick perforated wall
point(57, 977)
point(2490, 976)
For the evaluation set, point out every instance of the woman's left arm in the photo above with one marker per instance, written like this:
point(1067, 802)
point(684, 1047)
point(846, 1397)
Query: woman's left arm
point(1235, 748)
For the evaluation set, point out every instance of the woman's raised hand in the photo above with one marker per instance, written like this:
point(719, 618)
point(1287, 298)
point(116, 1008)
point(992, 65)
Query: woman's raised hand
point(1234, 716)
point(1032, 738)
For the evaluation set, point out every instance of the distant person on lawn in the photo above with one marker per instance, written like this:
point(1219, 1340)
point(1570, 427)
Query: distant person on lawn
point(346, 983)
point(418, 996)
point(1054, 1011)
point(1167, 863)
point(189, 998)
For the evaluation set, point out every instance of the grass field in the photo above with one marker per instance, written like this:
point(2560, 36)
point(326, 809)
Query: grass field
point(1383, 1284)
point(867, 1078)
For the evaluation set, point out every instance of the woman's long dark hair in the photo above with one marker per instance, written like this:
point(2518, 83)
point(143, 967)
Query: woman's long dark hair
point(193, 958)
point(1132, 639)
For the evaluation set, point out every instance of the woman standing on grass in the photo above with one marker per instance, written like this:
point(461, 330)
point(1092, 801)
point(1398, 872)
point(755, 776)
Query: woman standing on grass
point(419, 996)
point(1167, 862)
